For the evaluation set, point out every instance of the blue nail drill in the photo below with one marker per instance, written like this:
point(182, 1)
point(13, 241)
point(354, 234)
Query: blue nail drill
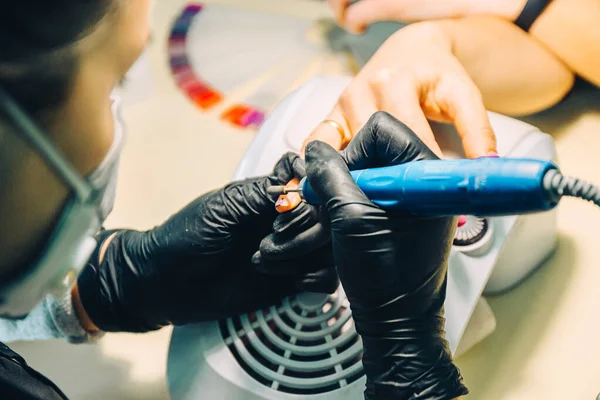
point(480, 187)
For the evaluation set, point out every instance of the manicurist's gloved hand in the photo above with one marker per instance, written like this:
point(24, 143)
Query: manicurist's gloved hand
point(300, 242)
point(197, 265)
point(393, 266)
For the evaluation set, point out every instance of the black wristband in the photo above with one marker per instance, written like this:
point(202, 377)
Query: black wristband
point(532, 10)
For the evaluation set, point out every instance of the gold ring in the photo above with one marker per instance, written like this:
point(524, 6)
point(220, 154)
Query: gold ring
point(346, 137)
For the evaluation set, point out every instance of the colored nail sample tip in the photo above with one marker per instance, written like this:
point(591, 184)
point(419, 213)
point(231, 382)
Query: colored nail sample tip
point(243, 116)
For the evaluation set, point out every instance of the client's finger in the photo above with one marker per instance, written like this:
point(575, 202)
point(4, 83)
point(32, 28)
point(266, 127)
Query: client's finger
point(333, 130)
point(385, 141)
point(401, 99)
point(339, 9)
point(287, 202)
point(356, 105)
point(462, 103)
point(363, 13)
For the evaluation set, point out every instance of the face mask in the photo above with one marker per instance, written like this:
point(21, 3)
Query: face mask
point(104, 178)
point(72, 240)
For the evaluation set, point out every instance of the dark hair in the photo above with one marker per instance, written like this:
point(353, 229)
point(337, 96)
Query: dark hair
point(37, 59)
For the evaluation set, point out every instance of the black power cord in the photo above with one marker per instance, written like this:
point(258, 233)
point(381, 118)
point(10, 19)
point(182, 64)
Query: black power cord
point(556, 186)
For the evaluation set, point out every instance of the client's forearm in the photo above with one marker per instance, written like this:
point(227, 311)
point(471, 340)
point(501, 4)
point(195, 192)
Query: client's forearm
point(570, 30)
point(515, 73)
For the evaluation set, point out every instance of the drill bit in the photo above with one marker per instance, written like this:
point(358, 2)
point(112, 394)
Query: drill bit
point(279, 190)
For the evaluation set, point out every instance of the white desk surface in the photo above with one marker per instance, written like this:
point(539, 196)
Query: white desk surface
point(546, 345)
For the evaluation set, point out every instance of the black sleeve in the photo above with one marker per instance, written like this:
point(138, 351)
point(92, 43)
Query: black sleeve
point(19, 381)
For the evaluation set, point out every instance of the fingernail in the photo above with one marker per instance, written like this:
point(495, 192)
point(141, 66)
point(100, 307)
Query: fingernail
point(493, 154)
point(294, 199)
point(282, 201)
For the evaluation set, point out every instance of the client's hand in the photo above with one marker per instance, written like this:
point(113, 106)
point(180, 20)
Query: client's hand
point(414, 76)
point(356, 16)
point(392, 266)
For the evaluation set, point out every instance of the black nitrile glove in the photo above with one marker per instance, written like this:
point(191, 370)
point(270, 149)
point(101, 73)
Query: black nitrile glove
point(303, 233)
point(197, 265)
point(300, 242)
point(393, 267)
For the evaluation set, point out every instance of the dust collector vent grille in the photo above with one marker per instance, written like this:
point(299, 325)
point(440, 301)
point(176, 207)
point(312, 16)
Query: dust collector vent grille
point(306, 345)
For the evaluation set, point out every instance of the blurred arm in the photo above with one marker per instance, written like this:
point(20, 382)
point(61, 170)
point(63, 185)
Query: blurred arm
point(516, 74)
point(570, 29)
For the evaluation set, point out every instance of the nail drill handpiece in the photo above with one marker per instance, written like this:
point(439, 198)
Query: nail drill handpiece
point(481, 187)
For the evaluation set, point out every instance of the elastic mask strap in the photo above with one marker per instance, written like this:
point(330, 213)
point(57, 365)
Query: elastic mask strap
point(49, 152)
